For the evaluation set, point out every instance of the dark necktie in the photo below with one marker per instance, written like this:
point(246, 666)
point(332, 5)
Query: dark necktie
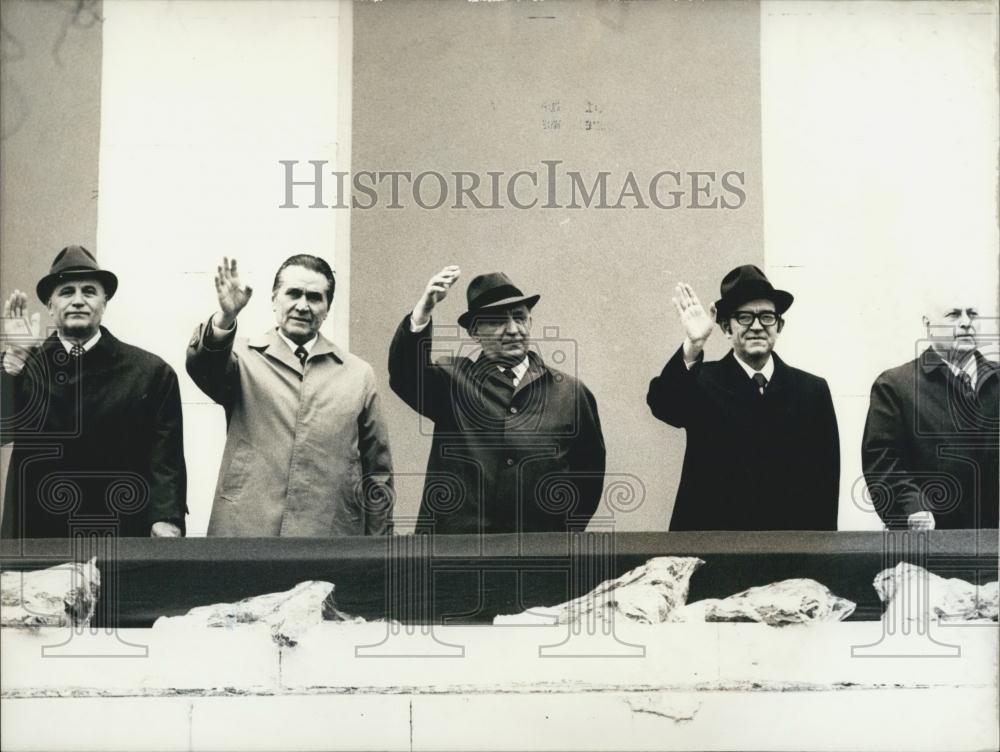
point(761, 381)
point(301, 353)
point(507, 374)
point(76, 351)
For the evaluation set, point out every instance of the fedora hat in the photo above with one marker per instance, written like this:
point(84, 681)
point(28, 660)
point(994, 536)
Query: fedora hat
point(493, 292)
point(748, 283)
point(74, 261)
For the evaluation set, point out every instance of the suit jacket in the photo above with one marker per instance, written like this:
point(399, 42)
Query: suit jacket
point(752, 462)
point(502, 460)
point(97, 441)
point(307, 450)
point(930, 446)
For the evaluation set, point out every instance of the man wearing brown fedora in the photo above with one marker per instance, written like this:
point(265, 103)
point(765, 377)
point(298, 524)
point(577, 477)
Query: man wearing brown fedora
point(763, 451)
point(96, 422)
point(517, 444)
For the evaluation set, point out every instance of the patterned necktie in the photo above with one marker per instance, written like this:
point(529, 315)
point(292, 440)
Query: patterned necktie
point(301, 353)
point(76, 351)
point(761, 381)
point(967, 388)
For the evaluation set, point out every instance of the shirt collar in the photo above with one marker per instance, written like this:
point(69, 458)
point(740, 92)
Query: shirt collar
point(86, 345)
point(293, 346)
point(519, 370)
point(767, 370)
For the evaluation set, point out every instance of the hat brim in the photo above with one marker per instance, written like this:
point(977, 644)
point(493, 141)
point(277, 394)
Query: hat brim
point(467, 318)
point(48, 283)
point(782, 300)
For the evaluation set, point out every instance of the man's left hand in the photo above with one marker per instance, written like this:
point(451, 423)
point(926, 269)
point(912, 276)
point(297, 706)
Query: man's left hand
point(165, 530)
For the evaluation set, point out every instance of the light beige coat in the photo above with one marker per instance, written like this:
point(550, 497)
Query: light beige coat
point(307, 450)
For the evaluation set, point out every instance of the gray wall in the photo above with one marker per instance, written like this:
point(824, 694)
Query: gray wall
point(50, 104)
point(469, 86)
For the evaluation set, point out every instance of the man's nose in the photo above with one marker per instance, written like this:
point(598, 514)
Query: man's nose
point(512, 326)
point(78, 299)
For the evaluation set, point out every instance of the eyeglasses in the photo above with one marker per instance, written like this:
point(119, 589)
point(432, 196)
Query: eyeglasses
point(746, 318)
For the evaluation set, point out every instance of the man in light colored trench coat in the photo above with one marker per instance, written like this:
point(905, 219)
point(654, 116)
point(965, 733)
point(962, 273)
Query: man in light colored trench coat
point(307, 451)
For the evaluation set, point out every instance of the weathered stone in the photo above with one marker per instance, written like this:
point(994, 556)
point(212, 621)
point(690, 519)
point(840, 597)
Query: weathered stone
point(911, 593)
point(288, 614)
point(61, 596)
point(796, 601)
point(645, 595)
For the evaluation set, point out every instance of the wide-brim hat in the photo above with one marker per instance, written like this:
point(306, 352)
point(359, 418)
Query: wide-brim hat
point(748, 283)
point(74, 261)
point(493, 293)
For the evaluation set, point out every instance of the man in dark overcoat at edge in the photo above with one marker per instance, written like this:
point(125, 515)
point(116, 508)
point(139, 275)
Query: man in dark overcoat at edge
point(517, 444)
point(96, 422)
point(763, 451)
point(931, 446)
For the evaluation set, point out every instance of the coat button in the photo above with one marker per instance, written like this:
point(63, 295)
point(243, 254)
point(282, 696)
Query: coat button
point(513, 410)
point(510, 462)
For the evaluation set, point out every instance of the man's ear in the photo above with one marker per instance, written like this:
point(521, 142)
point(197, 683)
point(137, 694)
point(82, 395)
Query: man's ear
point(724, 326)
point(781, 325)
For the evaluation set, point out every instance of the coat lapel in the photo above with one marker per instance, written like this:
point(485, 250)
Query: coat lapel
point(274, 347)
point(781, 378)
point(734, 378)
point(536, 369)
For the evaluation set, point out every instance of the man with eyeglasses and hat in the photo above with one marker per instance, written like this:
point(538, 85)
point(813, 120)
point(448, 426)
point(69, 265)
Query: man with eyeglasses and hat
point(763, 451)
point(517, 444)
point(96, 422)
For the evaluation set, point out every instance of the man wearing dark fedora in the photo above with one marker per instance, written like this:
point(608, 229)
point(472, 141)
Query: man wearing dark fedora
point(96, 422)
point(517, 444)
point(763, 451)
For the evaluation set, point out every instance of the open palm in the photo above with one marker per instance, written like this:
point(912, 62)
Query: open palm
point(233, 294)
point(20, 332)
point(697, 322)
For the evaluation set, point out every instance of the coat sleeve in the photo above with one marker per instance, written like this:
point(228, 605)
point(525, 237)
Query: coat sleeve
point(376, 463)
point(168, 473)
point(420, 383)
point(589, 456)
point(8, 404)
point(827, 456)
point(672, 396)
point(212, 364)
point(892, 488)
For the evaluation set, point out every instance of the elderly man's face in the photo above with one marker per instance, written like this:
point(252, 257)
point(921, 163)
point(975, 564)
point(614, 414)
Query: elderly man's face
point(505, 335)
point(77, 307)
point(952, 326)
point(299, 303)
point(753, 342)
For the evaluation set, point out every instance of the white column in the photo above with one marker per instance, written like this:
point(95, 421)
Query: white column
point(879, 127)
point(200, 100)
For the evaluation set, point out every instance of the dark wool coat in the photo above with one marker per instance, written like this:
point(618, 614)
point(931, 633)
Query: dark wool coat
point(753, 462)
point(527, 460)
point(931, 446)
point(98, 437)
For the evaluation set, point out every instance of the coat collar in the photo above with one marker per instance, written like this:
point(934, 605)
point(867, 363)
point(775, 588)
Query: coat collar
point(930, 360)
point(736, 378)
point(272, 345)
point(107, 346)
point(536, 368)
